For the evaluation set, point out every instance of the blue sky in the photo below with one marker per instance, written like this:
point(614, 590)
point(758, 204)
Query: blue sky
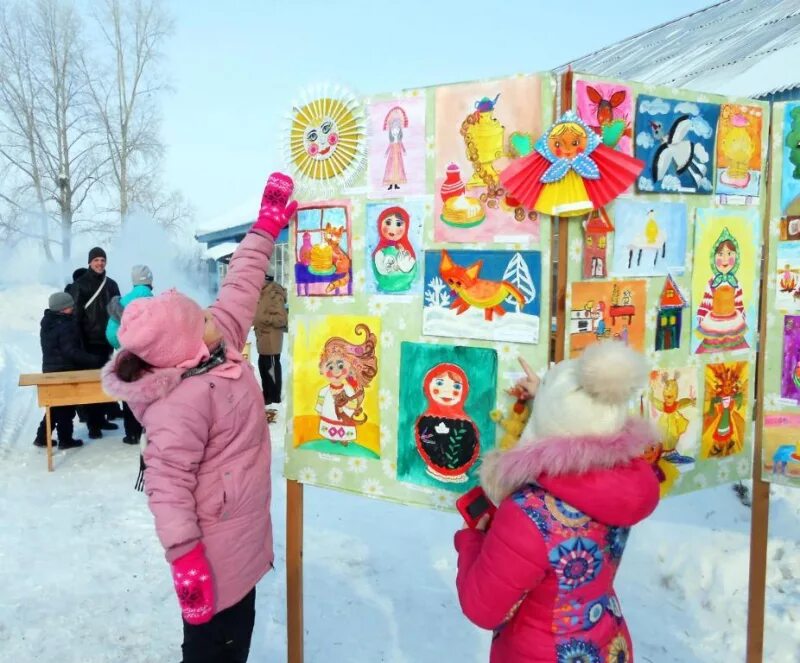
point(235, 67)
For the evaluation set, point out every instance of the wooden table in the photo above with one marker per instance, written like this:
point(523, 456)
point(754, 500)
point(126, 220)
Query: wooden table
point(67, 388)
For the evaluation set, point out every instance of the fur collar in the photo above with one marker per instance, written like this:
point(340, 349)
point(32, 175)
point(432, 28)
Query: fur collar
point(503, 472)
point(148, 388)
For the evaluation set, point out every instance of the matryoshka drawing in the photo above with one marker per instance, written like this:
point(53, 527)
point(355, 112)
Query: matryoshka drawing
point(394, 262)
point(447, 439)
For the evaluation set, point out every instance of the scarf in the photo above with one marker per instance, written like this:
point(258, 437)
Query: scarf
point(216, 358)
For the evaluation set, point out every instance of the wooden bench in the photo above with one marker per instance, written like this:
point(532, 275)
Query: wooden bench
point(66, 388)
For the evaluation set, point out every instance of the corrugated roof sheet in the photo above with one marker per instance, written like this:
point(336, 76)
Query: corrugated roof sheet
point(736, 47)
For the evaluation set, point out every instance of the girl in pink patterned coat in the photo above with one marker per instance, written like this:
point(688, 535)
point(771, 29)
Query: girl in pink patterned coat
point(541, 575)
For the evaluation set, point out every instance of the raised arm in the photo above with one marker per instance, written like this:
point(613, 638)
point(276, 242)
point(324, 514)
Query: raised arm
point(236, 303)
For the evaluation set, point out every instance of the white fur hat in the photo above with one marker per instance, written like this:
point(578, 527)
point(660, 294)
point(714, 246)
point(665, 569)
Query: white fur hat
point(589, 395)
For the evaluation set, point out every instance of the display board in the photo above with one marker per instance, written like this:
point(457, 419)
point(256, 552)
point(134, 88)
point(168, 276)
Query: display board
point(414, 290)
point(781, 425)
point(672, 268)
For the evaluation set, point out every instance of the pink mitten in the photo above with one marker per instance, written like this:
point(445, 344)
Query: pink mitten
point(191, 574)
point(275, 213)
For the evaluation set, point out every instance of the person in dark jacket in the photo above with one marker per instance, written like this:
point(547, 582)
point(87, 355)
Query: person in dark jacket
point(92, 293)
point(270, 325)
point(62, 351)
point(70, 288)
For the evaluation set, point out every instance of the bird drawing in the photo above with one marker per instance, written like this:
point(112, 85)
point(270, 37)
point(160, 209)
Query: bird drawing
point(678, 150)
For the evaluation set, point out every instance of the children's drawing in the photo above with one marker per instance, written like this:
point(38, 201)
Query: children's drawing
point(790, 171)
point(493, 295)
point(396, 147)
point(669, 319)
point(739, 152)
point(650, 238)
point(444, 423)
point(595, 244)
point(394, 247)
point(673, 407)
point(790, 374)
point(724, 279)
point(789, 228)
point(569, 171)
point(474, 126)
point(607, 309)
point(724, 409)
point(336, 362)
point(323, 248)
point(325, 142)
point(787, 283)
point(608, 109)
point(676, 141)
point(781, 453)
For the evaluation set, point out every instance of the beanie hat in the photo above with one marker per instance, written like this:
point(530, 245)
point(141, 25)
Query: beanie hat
point(141, 275)
point(96, 252)
point(166, 331)
point(589, 395)
point(59, 301)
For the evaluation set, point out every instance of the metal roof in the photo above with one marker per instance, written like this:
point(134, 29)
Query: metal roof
point(736, 47)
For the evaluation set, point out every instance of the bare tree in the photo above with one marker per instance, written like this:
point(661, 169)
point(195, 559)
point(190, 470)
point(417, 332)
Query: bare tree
point(46, 133)
point(125, 97)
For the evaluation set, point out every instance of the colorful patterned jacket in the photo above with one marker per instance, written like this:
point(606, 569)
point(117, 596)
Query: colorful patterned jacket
point(542, 575)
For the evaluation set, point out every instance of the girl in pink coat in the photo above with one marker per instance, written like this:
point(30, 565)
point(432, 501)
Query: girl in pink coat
point(541, 574)
point(208, 454)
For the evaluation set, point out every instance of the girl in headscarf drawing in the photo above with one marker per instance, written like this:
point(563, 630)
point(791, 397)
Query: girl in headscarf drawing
point(720, 316)
point(394, 261)
point(349, 368)
point(395, 173)
point(447, 439)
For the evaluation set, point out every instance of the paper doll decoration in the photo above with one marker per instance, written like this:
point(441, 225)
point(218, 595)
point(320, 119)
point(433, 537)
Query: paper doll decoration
point(669, 317)
point(349, 369)
point(394, 262)
point(395, 174)
point(570, 172)
point(325, 143)
point(720, 315)
point(447, 439)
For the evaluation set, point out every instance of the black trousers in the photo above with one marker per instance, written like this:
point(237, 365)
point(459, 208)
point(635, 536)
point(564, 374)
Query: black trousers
point(269, 366)
point(61, 419)
point(96, 412)
point(226, 638)
point(132, 427)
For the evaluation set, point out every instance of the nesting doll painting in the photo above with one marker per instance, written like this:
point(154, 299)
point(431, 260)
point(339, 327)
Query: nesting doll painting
point(444, 425)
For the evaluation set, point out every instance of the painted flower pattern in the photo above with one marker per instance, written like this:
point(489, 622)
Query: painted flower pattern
point(616, 538)
point(567, 515)
point(576, 562)
point(619, 652)
point(529, 504)
point(577, 651)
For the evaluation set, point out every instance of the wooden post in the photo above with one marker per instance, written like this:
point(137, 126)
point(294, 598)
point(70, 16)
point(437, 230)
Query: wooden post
point(560, 295)
point(49, 433)
point(759, 514)
point(294, 570)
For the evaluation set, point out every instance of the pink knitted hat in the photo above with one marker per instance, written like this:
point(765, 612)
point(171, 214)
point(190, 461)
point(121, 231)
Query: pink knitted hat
point(166, 331)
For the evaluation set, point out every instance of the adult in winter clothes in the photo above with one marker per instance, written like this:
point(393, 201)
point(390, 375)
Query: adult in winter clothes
point(208, 452)
point(62, 351)
point(541, 576)
point(270, 325)
point(70, 288)
point(92, 293)
point(142, 280)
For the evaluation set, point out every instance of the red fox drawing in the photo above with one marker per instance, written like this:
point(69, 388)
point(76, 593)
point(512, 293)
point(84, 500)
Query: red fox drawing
point(474, 291)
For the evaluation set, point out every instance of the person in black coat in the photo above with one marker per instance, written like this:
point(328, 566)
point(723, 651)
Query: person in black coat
point(92, 293)
point(62, 351)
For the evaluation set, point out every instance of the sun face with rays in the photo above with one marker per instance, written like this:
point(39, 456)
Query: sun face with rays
point(326, 140)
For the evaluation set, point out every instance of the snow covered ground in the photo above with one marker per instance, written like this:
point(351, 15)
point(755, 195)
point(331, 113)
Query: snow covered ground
point(83, 578)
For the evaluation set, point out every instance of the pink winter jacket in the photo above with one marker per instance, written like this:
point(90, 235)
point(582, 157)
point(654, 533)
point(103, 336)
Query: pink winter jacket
point(208, 453)
point(542, 575)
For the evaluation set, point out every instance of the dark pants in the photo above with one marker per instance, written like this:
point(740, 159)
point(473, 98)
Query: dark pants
point(61, 419)
point(226, 638)
point(269, 366)
point(132, 427)
point(96, 412)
